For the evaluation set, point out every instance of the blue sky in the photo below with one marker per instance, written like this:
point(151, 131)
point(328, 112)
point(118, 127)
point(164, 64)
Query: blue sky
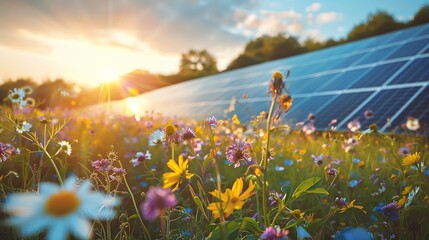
point(93, 41)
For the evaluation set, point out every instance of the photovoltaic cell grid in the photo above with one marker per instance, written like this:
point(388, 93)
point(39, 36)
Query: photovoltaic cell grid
point(387, 74)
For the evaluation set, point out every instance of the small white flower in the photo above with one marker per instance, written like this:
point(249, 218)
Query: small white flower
point(65, 147)
point(59, 210)
point(17, 95)
point(140, 158)
point(156, 138)
point(23, 127)
point(411, 196)
point(412, 124)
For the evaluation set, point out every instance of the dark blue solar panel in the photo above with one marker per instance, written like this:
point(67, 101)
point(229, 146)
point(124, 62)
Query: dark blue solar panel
point(406, 34)
point(339, 108)
point(378, 75)
point(417, 71)
point(380, 40)
point(425, 30)
point(245, 110)
point(304, 106)
point(344, 80)
point(309, 85)
point(349, 61)
point(418, 108)
point(384, 105)
point(378, 55)
point(410, 48)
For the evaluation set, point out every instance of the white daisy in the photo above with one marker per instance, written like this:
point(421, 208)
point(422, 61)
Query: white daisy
point(65, 147)
point(23, 127)
point(17, 95)
point(156, 137)
point(59, 210)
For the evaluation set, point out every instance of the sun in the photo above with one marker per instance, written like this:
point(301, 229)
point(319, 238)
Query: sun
point(109, 75)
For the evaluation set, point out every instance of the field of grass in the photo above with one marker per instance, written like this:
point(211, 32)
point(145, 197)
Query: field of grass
point(154, 177)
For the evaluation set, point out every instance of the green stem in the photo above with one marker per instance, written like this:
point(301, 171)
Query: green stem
point(135, 205)
point(167, 233)
point(60, 179)
point(264, 162)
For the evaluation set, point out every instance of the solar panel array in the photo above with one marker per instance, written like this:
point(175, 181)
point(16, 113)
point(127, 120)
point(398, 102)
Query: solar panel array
point(387, 74)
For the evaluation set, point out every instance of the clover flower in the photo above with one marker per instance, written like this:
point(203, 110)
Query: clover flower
point(157, 201)
point(102, 164)
point(60, 210)
point(237, 151)
point(354, 125)
point(187, 134)
point(274, 233)
point(212, 121)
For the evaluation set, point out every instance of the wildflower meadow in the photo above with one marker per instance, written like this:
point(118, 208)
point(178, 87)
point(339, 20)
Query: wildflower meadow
point(79, 174)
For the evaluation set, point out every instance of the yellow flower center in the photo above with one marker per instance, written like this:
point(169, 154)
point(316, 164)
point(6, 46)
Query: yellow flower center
point(170, 129)
point(62, 203)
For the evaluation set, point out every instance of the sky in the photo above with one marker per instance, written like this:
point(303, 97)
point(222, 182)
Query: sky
point(91, 41)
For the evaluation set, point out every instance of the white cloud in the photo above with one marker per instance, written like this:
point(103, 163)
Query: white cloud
point(327, 17)
point(271, 23)
point(313, 7)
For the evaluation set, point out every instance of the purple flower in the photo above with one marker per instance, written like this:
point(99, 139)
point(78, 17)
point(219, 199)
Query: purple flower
point(118, 171)
point(157, 201)
point(274, 233)
point(7, 151)
point(368, 114)
point(354, 125)
point(318, 160)
point(238, 150)
point(101, 164)
point(332, 172)
point(404, 151)
point(341, 202)
point(389, 210)
point(140, 158)
point(212, 121)
point(187, 134)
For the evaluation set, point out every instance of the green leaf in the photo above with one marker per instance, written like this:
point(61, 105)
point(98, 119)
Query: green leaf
point(231, 230)
point(206, 162)
point(286, 189)
point(200, 206)
point(317, 191)
point(250, 225)
point(306, 185)
point(291, 223)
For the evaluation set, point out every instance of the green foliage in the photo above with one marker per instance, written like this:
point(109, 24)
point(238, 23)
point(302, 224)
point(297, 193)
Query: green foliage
point(195, 64)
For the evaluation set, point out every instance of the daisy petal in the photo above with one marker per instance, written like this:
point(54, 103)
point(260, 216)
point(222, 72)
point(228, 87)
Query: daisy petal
point(58, 230)
point(81, 228)
point(48, 188)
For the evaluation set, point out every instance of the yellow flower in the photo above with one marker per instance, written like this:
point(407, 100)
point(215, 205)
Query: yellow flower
point(169, 129)
point(407, 190)
point(180, 172)
point(231, 199)
point(351, 205)
point(411, 159)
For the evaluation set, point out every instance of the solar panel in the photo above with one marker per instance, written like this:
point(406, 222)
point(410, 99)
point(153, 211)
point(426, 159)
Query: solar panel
point(388, 74)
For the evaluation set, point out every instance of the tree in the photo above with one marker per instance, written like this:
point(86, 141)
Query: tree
point(422, 16)
point(267, 48)
point(197, 63)
point(378, 23)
